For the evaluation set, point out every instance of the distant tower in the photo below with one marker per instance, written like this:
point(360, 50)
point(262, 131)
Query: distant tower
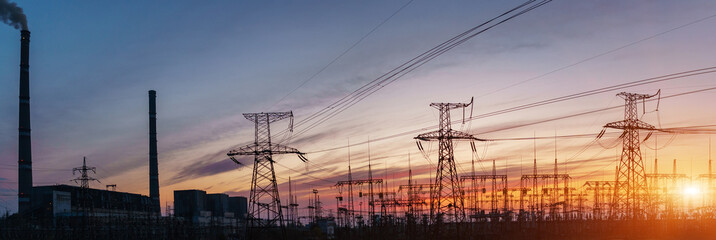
point(630, 193)
point(84, 200)
point(153, 159)
point(84, 179)
point(24, 153)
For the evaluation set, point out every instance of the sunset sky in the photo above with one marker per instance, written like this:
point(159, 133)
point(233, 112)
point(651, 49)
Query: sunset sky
point(92, 63)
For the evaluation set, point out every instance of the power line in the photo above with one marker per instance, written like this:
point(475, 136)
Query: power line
point(561, 99)
point(533, 123)
point(662, 78)
point(594, 111)
point(343, 53)
point(38, 169)
point(600, 55)
point(543, 137)
point(366, 90)
point(514, 126)
point(640, 82)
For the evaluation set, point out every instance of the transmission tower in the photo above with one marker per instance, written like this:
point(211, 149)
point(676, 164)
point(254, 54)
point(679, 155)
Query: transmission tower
point(264, 197)
point(446, 194)
point(630, 192)
point(84, 179)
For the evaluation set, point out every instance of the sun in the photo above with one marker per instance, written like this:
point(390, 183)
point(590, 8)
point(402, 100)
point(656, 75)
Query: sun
point(691, 191)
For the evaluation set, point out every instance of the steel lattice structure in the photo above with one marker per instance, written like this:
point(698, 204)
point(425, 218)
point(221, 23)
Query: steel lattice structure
point(601, 192)
point(264, 199)
point(350, 211)
point(84, 179)
point(446, 195)
point(479, 190)
point(630, 192)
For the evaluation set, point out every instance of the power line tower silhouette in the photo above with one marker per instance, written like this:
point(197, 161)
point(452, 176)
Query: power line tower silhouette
point(264, 198)
point(446, 194)
point(630, 190)
point(84, 179)
point(85, 199)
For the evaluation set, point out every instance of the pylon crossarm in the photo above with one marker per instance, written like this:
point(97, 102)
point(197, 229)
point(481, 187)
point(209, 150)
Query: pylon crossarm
point(428, 136)
point(630, 124)
point(666, 176)
point(359, 182)
point(461, 135)
point(450, 105)
point(245, 150)
point(636, 96)
point(269, 117)
point(451, 134)
point(415, 186)
point(281, 149)
point(254, 150)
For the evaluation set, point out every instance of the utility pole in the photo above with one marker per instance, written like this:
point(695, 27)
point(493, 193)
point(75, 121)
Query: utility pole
point(316, 206)
point(447, 196)
point(371, 202)
point(292, 205)
point(630, 193)
point(264, 190)
point(351, 207)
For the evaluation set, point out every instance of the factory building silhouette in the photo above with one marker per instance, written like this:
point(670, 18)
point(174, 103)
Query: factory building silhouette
point(200, 207)
point(195, 206)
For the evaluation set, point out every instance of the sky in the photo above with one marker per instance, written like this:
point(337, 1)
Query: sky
point(92, 63)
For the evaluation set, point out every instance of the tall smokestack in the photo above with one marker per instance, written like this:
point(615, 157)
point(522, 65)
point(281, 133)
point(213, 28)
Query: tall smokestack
point(24, 153)
point(153, 165)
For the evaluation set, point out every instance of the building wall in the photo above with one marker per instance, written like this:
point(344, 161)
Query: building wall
point(189, 203)
point(238, 206)
point(197, 205)
point(61, 203)
point(218, 204)
point(65, 200)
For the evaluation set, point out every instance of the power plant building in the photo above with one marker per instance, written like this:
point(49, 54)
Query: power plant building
point(68, 201)
point(199, 207)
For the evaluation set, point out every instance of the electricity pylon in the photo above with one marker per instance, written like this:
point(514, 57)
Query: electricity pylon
point(446, 194)
point(84, 179)
point(264, 198)
point(630, 192)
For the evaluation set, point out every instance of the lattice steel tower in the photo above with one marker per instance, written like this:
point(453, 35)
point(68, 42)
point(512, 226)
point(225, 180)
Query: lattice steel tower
point(446, 195)
point(630, 191)
point(264, 199)
point(84, 179)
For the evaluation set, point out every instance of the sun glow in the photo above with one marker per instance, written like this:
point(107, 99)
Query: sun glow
point(692, 191)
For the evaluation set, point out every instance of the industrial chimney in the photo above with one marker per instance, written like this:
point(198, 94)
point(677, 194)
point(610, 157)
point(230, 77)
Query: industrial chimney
point(24, 153)
point(153, 166)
